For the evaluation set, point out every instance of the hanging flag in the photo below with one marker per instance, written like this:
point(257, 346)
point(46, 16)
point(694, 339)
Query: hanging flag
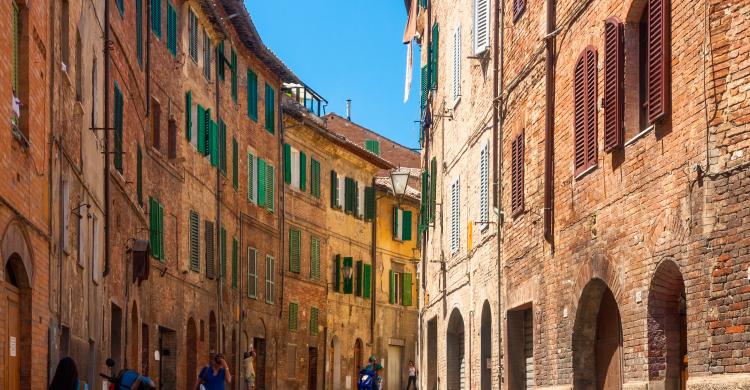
point(409, 67)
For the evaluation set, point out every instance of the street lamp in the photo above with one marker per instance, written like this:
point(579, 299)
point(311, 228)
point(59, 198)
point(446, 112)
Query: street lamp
point(399, 180)
point(348, 271)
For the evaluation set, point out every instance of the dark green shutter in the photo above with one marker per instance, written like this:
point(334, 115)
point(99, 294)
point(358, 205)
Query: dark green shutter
point(250, 178)
point(348, 195)
point(425, 86)
point(223, 146)
point(358, 289)
point(392, 287)
point(270, 179)
point(270, 109)
point(355, 201)
point(161, 233)
point(302, 171)
point(435, 57)
point(234, 75)
point(293, 309)
point(171, 29)
point(235, 164)
point(153, 228)
point(139, 31)
point(201, 141)
point(118, 108)
point(433, 188)
point(348, 262)
point(261, 183)
point(156, 17)
point(315, 178)
point(252, 95)
point(314, 258)
point(294, 250)
point(235, 253)
point(369, 203)
point(314, 321)
point(195, 239)
point(213, 142)
point(220, 60)
point(367, 279)
point(406, 225)
point(337, 274)
point(406, 289)
point(287, 164)
point(223, 253)
point(210, 246)
point(207, 135)
point(334, 190)
point(395, 222)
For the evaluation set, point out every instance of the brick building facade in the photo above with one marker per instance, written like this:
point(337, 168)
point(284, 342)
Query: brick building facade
point(621, 152)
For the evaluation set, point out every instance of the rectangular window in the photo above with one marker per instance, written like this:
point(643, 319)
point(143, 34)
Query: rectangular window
point(220, 60)
point(294, 250)
point(270, 271)
point(171, 29)
point(369, 203)
point(156, 18)
point(156, 229)
point(233, 60)
point(315, 178)
point(235, 255)
point(334, 190)
point(293, 308)
point(193, 31)
point(252, 174)
point(434, 57)
point(402, 221)
point(261, 169)
point(349, 186)
point(235, 164)
point(118, 107)
point(223, 253)
point(455, 215)
point(518, 7)
point(270, 103)
point(139, 175)
point(16, 46)
point(209, 239)
point(348, 282)
point(406, 287)
point(517, 181)
point(484, 184)
point(252, 273)
point(336, 275)
point(395, 288)
point(314, 321)
point(195, 242)
point(139, 31)
point(360, 200)
point(367, 281)
point(358, 273)
point(457, 64)
point(252, 95)
point(314, 258)
point(373, 146)
point(206, 55)
point(155, 124)
point(481, 26)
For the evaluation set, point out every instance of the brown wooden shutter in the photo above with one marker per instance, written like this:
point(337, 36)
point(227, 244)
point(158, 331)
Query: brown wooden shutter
point(585, 111)
point(517, 172)
point(591, 107)
point(613, 84)
point(579, 125)
point(518, 7)
point(658, 58)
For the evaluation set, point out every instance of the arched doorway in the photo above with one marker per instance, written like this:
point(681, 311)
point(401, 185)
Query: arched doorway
point(259, 346)
point(336, 362)
point(212, 345)
point(485, 354)
point(191, 350)
point(358, 364)
point(456, 361)
point(597, 340)
point(667, 327)
point(15, 299)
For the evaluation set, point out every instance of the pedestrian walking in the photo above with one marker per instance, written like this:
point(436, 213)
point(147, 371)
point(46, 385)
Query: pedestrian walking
point(66, 375)
point(214, 375)
point(248, 369)
point(412, 376)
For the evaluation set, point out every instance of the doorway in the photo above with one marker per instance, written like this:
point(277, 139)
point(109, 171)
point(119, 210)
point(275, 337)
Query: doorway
point(336, 362)
point(456, 361)
point(357, 358)
point(312, 374)
point(432, 371)
point(259, 345)
point(167, 359)
point(520, 348)
point(394, 370)
point(13, 332)
point(486, 347)
point(191, 349)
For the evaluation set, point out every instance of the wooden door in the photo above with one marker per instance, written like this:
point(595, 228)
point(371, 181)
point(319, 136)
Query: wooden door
point(259, 345)
point(13, 340)
point(608, 345)
point(312, 375)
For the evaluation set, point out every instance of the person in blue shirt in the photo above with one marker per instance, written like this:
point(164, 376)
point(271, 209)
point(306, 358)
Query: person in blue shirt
point(131, 380)
point(215, 375)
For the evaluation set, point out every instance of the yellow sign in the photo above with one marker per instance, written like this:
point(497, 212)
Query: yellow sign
point(469, 232)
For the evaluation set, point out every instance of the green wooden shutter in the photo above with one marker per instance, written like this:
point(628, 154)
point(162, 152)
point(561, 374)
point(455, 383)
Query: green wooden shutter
point(337, 274)
point(302, 171)
point(315, 178)
point(139, 31)
point(395, 214)
point(314, 258)
point(156, 17)
point(195, 239)
point(118, 108)
point(293, 316)
point(392, 287)
point(207, 131)
point(406, 225)
point(213, 143)
point(270, 188)
point(369, 203)
point(235, 164)
point(252, 95)
point(334, 190)
point(250, 178)
point(358, 289)
point(348, 195)
point(373, 146)
point(139, 175)
point(161, 233)
point(435, 56)
point(153, 228)
point(222, 146)
point(314, 321)
point(287, 164)
point(252, 273)
point(433, 188)
point(188, 116)
point(235, 253)
point(233, 58)
point(270, 109)
point(201, 141)
point(261, 183)
point(171, 29)
point(220, 60)
point(120, 6)
point(294, 250)
point(348, 262)
point(406, 289)
point(223, 253)
point(367, 279)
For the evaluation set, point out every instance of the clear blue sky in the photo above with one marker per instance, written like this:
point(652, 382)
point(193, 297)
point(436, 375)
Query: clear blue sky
point(347, 49)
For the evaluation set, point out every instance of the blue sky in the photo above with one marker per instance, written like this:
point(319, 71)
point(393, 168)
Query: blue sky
point(347, 49)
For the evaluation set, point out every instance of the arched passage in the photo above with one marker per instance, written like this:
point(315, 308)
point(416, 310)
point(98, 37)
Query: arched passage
point(15, 304)
point(191, 350)
point(336, 362)
point(357, 363)
point(667, 327)
point(485, 355)
point(456, 361)
point(597, 340)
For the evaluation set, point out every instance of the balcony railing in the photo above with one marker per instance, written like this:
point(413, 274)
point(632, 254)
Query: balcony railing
point(305, 96)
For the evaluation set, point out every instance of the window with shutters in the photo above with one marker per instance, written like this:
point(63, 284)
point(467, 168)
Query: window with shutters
point(195, 243)
point(210, 245)
point(314, 313)
point(425, 86)
point(220, 60)
point(120, 6)
point(369, 203)
point(172, 138)
point(294, 250)
point(614, 62)
point(235, 164)
point(315, 178)
point(156, 229)
point(270, 279)
point(434, 55)
point(481, 26)
point(402, 224)
point(155, 124)
point(118, 108)
point(373, 146)
point(456, 90)
point(293, 309)
point(223, 147)
point(314, 258)
point(585, 112)
point(233, 62)
point(406, 289)
point(519, 6)
point(455, 215)
point(193, 34)
point(206, 55)
point(171, 29)
point(252, 174)
point(252, 95)
point(659, 51)
point(270, 104)
point(235, 260)
point(336, 273)
point(433, 189)
point(367, 281)
point(261, 187)
point(358, 276)
point(270, 187)
point(360, 201)
point(252, 273)
point(348, 279)
point(156, 18)
point(484, 185)
point(139, 175)
point(396, 287)
point(223, 253)
point(295, 168)
point(517, 173)
point(350, 187)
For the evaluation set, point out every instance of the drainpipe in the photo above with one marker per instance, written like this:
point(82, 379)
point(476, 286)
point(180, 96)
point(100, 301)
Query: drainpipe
point(374, 255)
point(498, 121)
point(107, 126)
point(282, 209)
point(549, 125)
point(219, 281)
point(148, 58)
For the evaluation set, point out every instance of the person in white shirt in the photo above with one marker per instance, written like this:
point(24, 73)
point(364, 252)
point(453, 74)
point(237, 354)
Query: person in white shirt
point(412, 376)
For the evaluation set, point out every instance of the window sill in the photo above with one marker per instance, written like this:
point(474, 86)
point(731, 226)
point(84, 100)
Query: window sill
point(586, 172)
point(640, 135)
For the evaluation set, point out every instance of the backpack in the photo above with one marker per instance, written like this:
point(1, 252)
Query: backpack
point(367, 380)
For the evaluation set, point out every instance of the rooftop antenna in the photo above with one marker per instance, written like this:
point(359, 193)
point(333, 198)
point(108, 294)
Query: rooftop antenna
point(349, 110)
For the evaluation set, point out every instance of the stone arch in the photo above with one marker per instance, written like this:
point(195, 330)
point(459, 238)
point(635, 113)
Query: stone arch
point(667, 326)
point(16, 242)
point(597, 339)
point(455, 350)
point(191, 349)
point(485, 354)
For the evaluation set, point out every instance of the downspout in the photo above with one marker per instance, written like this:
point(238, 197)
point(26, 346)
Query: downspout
point(374, 255)
point(498, 121)
point(282, 209)
point(148, 58)
point(241, 297)
point(549, 125)
point(107, 126)
point(219, 280)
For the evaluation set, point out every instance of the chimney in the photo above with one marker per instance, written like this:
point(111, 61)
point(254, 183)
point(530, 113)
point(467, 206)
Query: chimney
point(349, 110)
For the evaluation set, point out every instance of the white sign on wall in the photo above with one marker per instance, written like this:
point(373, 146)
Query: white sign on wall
point(12, 346)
